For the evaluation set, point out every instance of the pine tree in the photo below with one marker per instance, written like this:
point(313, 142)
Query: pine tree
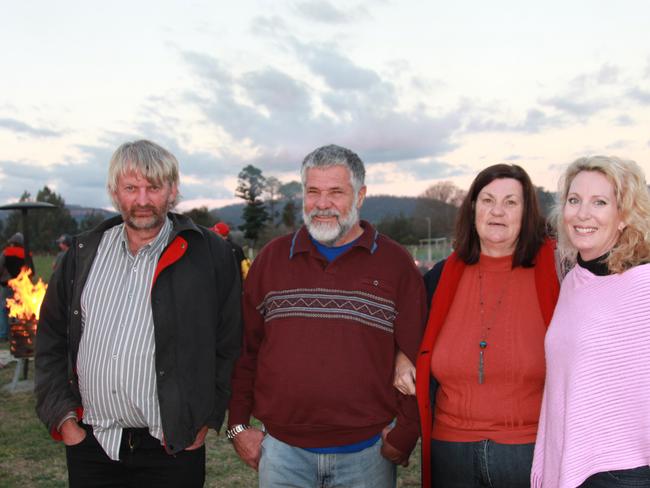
point(250, 186)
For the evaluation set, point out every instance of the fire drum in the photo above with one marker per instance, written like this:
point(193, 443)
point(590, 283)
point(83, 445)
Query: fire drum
point(22, 337)
point(24, 308)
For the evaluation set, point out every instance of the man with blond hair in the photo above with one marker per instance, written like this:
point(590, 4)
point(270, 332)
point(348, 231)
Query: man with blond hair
point(138, 333)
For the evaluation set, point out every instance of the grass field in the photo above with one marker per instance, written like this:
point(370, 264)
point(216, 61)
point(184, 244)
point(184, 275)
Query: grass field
point(29, 458)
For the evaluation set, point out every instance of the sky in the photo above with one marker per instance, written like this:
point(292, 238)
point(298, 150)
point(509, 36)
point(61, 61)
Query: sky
point(423, 91)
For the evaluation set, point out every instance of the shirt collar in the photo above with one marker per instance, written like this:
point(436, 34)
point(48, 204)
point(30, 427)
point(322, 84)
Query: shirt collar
point(301, 241)
point(153, 248)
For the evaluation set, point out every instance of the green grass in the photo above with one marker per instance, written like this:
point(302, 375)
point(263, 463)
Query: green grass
point(30, 458)
point(43, 265)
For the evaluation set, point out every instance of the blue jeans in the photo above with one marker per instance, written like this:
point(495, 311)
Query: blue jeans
point(285, 466)
point(480, 464)
point(638, 477)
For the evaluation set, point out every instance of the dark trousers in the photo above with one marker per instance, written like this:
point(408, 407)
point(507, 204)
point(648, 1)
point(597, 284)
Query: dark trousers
point(143, 463)
point(638, 477)
point(480, 464)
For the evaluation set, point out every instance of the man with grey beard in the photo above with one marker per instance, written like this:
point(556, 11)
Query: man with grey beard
point(325, 311)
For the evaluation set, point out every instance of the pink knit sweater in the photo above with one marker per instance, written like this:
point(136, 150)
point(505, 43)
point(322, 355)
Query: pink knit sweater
point(596, 408)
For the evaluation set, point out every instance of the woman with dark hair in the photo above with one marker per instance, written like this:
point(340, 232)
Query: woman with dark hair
point(480, 369)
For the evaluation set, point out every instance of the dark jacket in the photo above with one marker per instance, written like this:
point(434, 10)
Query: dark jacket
point(12, 260)
point(195, 301)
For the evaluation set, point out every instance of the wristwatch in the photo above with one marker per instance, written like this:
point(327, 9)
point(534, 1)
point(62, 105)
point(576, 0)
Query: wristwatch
point(236, 429)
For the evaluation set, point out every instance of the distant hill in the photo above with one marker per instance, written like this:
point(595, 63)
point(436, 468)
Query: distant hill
point(79, 213)
point(374, 209)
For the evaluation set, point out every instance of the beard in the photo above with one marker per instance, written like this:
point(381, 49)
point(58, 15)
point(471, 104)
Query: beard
point(140, 222)
point(329, 233)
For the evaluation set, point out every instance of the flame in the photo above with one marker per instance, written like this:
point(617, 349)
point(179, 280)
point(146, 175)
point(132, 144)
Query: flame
point(28, 297)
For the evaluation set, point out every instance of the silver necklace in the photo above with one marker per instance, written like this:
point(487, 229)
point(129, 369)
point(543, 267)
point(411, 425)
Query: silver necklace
point(485, 328)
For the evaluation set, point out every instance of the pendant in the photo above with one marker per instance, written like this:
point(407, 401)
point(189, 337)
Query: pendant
point(481, 375)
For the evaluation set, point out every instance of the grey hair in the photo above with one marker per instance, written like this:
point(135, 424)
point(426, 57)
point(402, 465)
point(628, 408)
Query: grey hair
point(152, 161)
point(333, 155)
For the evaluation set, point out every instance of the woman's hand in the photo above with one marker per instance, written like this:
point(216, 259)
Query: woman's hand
point(404, 379)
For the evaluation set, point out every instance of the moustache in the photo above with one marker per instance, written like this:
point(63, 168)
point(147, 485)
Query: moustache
point(150, 208)
point(324, 213)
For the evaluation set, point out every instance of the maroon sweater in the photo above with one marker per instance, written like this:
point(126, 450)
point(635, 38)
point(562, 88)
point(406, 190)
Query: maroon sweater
point(320, 341)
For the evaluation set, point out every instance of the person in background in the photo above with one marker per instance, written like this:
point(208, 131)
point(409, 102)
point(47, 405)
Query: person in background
point(223, 230)
point(325, 310)
point(12, 260)
point(594, 429)
point(480, 370)
point(138, 333)
point(64, 241)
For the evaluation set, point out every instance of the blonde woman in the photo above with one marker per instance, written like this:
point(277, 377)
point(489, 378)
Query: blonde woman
point(594, 429)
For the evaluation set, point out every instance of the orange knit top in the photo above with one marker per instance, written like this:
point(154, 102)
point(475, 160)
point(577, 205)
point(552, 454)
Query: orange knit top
point(505, 408)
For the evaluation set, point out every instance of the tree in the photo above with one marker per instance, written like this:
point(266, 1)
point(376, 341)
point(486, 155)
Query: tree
point(290, 192)
point(50, 224)
point(90, 221)
point(546, 200)
point(13, 223)
point(441, 215)
point(201, 216)
point(400, 229)
point(250, 187)
point(289, 215)
point(446, 192)
point(45, 226)
point(272, 189)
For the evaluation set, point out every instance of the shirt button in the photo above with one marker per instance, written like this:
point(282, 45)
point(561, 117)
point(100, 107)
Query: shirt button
point(114, 356)
point(161, 372)
point(376, 283)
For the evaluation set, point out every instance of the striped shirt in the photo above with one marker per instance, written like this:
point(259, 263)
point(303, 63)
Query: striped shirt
point(596, 408)
point(116, 361)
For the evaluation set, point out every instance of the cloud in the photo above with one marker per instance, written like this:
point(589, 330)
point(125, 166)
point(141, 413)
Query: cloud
point(639, 95)
point(339, 72)
point(624, 120)
point(23, 128)
point(577, 105)
point(281, 118)
point(608, 74)
point(324, 12)
point(587, 94)
point(432, 168)
point(535, 121)
point(277, 92)
point(268, 26)
point(620, 144)
point(321, 11)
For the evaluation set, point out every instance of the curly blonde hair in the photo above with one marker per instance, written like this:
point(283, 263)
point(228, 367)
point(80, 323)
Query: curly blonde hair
point(633, 202)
